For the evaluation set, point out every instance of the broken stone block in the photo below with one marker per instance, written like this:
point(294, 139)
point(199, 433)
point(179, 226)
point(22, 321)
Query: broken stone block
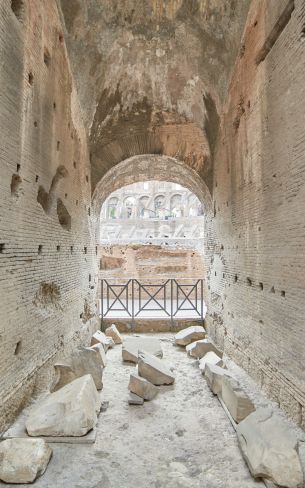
point(100, 338)
point(270, 449)
point(190, 334)
point(154, 369)
point(132, 346)
point(113, 332)
point(70, 411)
point(199, 348)
point(82, 361)
point(135, 399)
point(141, 387)
point(214, 375)
point(23, 460)
point(101, 350)
point(211, 358)
point(236, 400)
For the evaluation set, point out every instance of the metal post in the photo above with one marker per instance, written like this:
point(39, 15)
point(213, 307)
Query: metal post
point(201, 298)
point(171, 300)
point(132, 301)
point(102, 299)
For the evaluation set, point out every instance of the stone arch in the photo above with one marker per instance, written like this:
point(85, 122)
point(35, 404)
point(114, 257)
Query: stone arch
point(149, 167)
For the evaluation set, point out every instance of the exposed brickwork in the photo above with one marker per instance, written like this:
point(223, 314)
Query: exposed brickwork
point(149, 263)
point(257, 239)
point(44, 268)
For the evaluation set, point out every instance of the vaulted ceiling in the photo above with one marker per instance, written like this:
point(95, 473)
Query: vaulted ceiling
point(152, 75)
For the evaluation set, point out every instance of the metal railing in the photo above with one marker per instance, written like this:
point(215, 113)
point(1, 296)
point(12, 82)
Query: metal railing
point(169, 299)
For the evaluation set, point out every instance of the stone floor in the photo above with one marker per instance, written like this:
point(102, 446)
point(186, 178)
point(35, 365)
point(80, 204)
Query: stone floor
point(181, 439)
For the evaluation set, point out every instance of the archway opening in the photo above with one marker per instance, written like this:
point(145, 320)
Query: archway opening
point(151, 213)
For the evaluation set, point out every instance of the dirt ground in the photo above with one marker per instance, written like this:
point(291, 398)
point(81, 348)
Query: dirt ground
point(181, 439)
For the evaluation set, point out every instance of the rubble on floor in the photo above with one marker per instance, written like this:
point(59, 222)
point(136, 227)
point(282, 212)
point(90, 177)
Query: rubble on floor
point(190, 334)
point(23, 460)
point(100, 338)
point(142, 387)
point(102, 352)
point(214, 375)
point(210, 358)
point(154, 369)
point(236, 400)
point(198, 349)
point(134, 399)
point(113, 332)
point(270, 449)
point(132, 345)
point(70, 411)
point(82, 361)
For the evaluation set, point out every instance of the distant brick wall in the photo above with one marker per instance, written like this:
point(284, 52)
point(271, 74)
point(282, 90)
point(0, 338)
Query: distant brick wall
point(146, 262)
point(46, 250)
point(256, 241)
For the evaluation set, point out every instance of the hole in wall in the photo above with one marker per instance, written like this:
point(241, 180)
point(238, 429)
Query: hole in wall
point(54, 105)
point(35, 123)
point(16, 182)
point(87, 178)
point(31, 78)
point(40, 249)
point(283, 293)
point(63, 215)
point(17, 348)
point(74, 164)
point(66, 195)
point(17, 7)
point(261, 285)
point(42, 198)
point(249, 282)
point(272, 289)
point(235, 278)
point(36, 178)
point(58, 248)
point(18, 168)
point(2, 247)
point(71, 249)
point(89, 211)
point(46, 57)
point(303, 33)
point(89, 278)
point(96, 250)
point(60, 37)
point(76, 203)
point(58, 145)
point(85, 250)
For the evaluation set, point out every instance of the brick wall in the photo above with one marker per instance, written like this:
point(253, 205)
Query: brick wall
point(256, 241)
point(47, 252)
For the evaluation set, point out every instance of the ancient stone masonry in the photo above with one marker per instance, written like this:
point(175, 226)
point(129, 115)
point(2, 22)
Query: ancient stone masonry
point(256, 240)
point(47, 250)
point(99, 94)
